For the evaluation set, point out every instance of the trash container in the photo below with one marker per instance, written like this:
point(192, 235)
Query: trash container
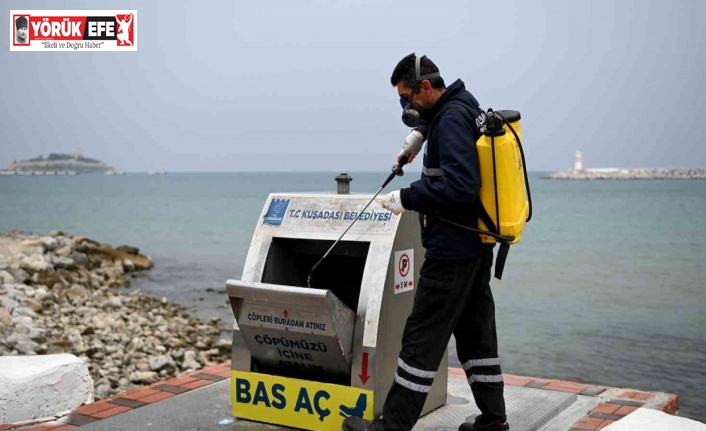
point(307, 357)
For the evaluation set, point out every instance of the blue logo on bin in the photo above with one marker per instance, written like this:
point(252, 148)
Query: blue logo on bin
point(276, 211)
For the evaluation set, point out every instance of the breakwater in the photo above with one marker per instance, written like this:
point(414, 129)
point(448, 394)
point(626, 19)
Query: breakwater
point(629, 174)
point(65, 294)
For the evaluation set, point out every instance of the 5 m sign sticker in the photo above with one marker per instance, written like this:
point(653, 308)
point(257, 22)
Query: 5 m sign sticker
point(404, 271)
point(297, 403)
point(73, 30)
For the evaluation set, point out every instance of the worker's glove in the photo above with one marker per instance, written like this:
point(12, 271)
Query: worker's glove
point(393, 202)
point(410, 147)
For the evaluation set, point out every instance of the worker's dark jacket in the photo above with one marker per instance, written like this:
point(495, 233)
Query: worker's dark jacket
point(450, 182)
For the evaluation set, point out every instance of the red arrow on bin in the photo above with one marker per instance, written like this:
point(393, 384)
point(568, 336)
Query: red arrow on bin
point(364, 375)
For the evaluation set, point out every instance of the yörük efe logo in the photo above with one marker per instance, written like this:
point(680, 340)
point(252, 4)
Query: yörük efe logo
point(73, 30)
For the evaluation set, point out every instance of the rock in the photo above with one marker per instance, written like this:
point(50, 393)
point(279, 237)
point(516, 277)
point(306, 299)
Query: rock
point(141, 262)
point(115, 302)
point(54, 349)
point(24, 311)
point(85, 241)
point(212, 352)
point(97, 345)
point(206, 360)
point(174, 342)
point(201, 345)
point(33, 242)
point(102, 391)
point(127, 340)
point(77, 294)
point(23, 345)
point(224, 345)
point(137, 343)
point(50, 279)
point(159, 362)
point(33, 304)
point(65, 263)
point(128, 266)
point(56, 233)
point(20, 275)
point(22, 327)
point(190, 361)
point(8, 304)
point(144, 377)
point(38, 335)
point(6, 277)
point(28, 290)
point(63, 251)
point(35, 263)
point(65, 242)
point(49, 242)
point(40, 294)
point(177, 354)
point(79, 258)
point(5, 319)
point(104, 321)
point(128, 249)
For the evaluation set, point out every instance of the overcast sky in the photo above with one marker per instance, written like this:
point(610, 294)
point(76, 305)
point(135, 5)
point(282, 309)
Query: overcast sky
point(304, 85)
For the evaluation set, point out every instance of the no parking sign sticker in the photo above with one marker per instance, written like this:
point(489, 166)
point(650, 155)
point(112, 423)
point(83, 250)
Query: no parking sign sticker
point(404, 271)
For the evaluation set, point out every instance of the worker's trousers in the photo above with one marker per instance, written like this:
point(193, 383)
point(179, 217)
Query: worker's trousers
point(452, 298)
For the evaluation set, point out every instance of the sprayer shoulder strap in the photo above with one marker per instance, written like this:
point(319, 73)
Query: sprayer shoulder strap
point(504, 249)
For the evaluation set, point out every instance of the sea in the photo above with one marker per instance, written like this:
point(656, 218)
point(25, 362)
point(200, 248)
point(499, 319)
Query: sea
point(607, 286)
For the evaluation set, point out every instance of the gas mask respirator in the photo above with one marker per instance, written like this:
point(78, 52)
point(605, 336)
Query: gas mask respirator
point(411, 113)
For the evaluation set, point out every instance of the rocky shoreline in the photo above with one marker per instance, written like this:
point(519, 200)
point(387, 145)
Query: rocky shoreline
point(65, 294)
point(629, 174)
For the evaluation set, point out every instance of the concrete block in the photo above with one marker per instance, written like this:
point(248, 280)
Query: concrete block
point(33, 387)
point(653, 420)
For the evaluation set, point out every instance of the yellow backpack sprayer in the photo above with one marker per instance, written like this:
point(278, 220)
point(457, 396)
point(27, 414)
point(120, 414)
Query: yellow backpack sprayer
point(505, 199)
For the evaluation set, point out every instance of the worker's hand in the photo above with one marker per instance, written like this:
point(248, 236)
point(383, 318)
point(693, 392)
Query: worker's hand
point(393, 202)
point(410, 147)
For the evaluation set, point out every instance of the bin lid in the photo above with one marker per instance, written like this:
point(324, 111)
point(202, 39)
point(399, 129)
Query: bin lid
point(294, 328)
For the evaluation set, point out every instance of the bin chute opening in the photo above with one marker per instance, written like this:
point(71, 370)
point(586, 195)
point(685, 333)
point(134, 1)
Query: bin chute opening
point(289, 261)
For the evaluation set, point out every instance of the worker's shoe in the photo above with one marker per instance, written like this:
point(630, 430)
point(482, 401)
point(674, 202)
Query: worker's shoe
point(467, 426)
point(354, 423)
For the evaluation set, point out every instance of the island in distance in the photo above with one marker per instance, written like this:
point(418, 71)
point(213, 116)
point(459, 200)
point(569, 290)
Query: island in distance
point(58, 164)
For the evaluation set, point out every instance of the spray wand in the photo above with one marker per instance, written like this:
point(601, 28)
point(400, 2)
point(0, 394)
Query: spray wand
point(396, 170)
